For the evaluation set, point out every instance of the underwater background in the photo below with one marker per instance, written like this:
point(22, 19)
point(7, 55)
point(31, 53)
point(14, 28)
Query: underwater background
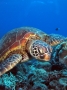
point(51, 17)
point(46, 15)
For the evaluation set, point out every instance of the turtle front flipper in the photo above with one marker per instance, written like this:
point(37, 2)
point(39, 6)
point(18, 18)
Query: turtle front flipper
point(25, 57)
point(54, 39)
point(9, 63)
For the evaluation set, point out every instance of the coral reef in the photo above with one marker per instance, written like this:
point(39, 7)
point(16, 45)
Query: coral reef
point(59, 55)
point(38, 75)
point(39, 86)
point(9, 81)
point(34, 77)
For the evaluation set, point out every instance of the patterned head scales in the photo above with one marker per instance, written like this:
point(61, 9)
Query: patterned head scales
point(40, 50)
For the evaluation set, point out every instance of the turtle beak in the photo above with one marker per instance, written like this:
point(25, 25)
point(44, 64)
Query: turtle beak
point(47, 57)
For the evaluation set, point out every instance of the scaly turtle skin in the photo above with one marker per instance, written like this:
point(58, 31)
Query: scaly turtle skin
point(20, 45)
point(54, 39)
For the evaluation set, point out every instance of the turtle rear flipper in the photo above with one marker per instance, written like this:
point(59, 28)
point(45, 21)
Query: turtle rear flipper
point(9, 63)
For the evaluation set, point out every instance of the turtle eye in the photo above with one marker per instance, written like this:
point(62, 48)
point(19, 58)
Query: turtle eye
point(40, 50)
point(45, 49)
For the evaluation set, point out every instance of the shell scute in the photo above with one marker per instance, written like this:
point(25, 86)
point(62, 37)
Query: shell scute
point(6, 41)
point(4, 52)
point(23, 42)
point(14, 45)
point(21, 33)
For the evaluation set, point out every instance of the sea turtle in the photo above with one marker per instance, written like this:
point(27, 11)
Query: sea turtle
point(22, 44)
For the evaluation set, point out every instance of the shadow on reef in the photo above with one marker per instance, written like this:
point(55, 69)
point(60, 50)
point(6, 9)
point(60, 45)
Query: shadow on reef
point(56, 67)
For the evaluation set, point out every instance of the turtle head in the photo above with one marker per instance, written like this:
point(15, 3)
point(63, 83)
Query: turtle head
point(40, 50)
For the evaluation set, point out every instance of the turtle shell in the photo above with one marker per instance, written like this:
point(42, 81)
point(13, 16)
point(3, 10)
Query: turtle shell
point(16, 39)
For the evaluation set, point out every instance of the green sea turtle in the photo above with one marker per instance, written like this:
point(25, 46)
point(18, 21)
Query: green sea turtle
point(22, 44)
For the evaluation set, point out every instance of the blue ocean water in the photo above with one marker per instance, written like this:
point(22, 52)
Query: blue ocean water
point(46, 15)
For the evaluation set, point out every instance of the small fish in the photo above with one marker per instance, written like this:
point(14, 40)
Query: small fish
point(57, 29)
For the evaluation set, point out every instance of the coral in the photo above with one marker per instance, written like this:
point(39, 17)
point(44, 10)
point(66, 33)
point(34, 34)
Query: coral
point(29, 73)
point(39, 86)
point(63, 81)
point(59, 55)
point(22, 86)
point(54, 75)
point(40, 75)
point(64, 72)
point(54, 81)
point(53, 84)
point(45, 65)
point(30, 77)
point(9, 81)
point(36, 74)
point(63, 53)
point(21, 76)
point(56, 85)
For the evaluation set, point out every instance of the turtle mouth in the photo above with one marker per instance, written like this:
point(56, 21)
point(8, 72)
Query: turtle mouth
point(47, 57)
point(42, 56)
